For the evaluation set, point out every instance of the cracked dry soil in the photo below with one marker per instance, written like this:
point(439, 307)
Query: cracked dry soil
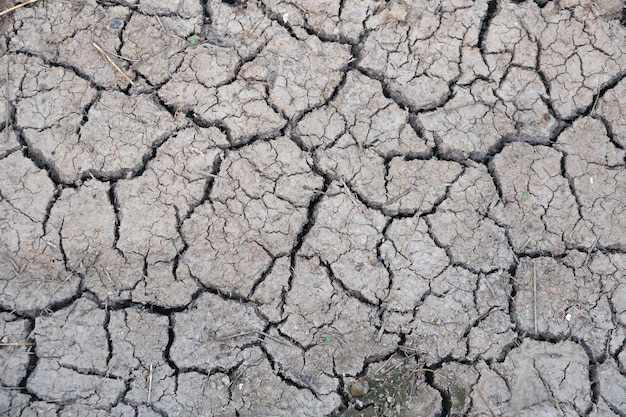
point(293, 198)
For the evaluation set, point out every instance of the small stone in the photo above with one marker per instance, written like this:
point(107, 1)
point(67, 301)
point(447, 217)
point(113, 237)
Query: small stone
point(359, 388)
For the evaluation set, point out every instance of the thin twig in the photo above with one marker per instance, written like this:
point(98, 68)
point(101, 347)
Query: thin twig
point(595, 102)
point(379, 337)
point(104, 378)
point(16, 269)
point(17, 344)
point(108, 58)
point(383, 365)
point(591, 249)
point(514, 255)
point(125, 58)
point(71, 273)
point(396, 198)
point(490, 288)
point(149, 385)
point(480, 394)
point(6, 110)
point(439, 374)
point(256, 25)
point(527, 242)
point(408, 348)
point(242, 371)
point(163, 27)
point(10, 9)
point(277, 340)
point(535, 295)
point(357, 206)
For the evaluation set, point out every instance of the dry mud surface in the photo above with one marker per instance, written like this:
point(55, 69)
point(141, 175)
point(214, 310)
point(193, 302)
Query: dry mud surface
point(293, 200)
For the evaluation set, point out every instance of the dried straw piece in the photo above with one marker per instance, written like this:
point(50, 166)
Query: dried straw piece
point(108, 58)
point(10, 9)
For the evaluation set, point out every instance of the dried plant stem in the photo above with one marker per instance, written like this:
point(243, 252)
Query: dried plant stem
point(17, 344)
point(150, 384)
point(108, 58)
point(277, 340)
point(10, 9)
point(168, 33)
point(16, 269)
point(535, 295)
point(70, 274)
point(6, 110)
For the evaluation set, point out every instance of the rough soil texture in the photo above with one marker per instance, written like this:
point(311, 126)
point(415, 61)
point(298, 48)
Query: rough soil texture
point(295, 199)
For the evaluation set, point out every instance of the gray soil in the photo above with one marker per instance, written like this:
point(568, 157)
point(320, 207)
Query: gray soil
point(313, 208)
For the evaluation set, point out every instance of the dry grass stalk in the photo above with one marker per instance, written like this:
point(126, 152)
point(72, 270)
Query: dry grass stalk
point(108, 58)
point(17, 344)
point(10, 9)
point(535, 295)
point(70, 274)
point(6, 110)
point(168, 33)
point(482, 397)
point(150, 384)
point(253, 332)
point(16, 269)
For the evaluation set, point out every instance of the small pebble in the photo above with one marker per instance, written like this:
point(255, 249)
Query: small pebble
point(359, 388)
point(116, 24)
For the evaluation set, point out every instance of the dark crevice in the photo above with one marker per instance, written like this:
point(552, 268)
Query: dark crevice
point(232, 294)
point(33, 358)
point(69, 67)
point(571, 185)
point(89, 371)
point(446, 398)
point(291, 339)
point(343, 287)
point(36, 156)
point(57, 193)
point(609, 131)
point(205, 124)
point(441, 199)
point(149, 156)
point(236, 3)
point(299, 241)
point(105, 325)
point(300, 381)
point(206, 196)
point(305, 26)
point(53, 306)
point(263, 274)
point(609, 85)
point(495, 178)
point(85, 112)
point(238, 66)
point(446, 154)
point(492, 10)
point(438, 243)
point(390, 272)
point(118, 216)
point(594, 383)
point(590, 108)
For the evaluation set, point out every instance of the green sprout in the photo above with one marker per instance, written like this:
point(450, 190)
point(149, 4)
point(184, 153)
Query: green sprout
point(524, 196)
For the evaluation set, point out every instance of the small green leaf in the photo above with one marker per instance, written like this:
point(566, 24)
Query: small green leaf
point(524, 197)
point(192, 41)
point(328, 339)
